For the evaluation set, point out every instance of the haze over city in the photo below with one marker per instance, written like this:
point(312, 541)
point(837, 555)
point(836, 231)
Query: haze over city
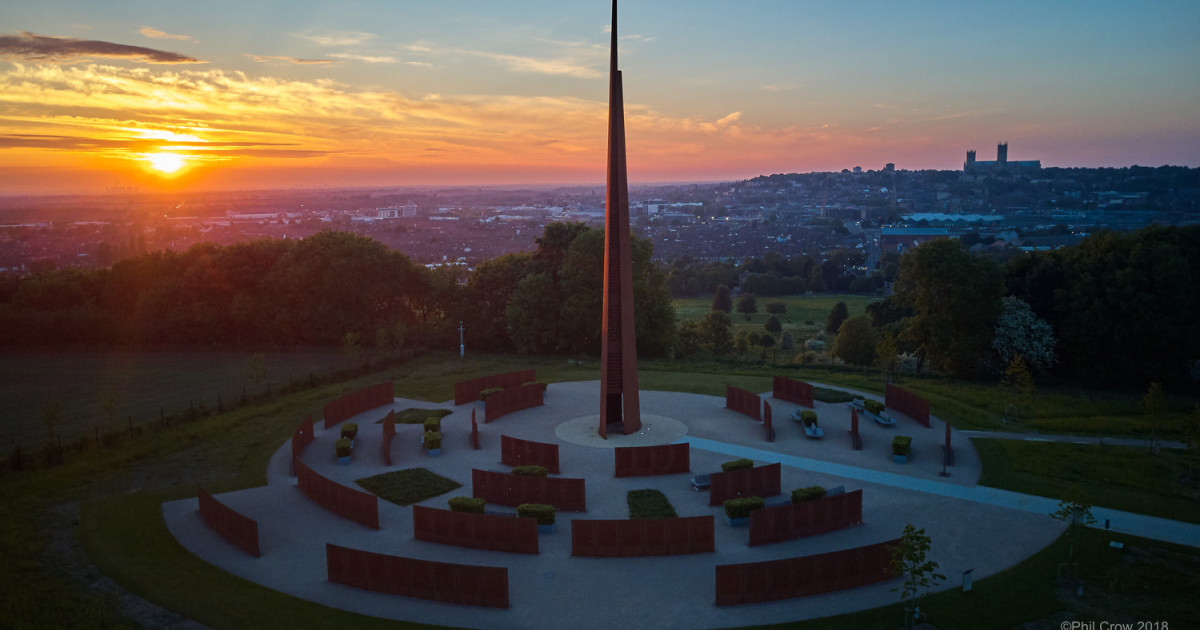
point(179, 96)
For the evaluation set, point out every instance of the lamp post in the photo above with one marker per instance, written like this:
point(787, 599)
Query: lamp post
point(462, 348)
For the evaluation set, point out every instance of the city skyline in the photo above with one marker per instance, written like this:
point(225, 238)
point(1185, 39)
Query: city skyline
point(304, 94)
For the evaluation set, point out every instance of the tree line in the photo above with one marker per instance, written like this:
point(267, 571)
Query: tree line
point(1117, 308)
point(337, 288)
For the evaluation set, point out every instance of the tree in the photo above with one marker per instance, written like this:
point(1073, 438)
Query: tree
point(838, 314)
point(918, 574)
point(747, 305)
point(956, 297)
point(688, 339)
point(886, 352)
point(721, 300)
point(1074, 511)
point(533, 314)
point(856, 341)
point(772, 325)
point(787, 342)
point(717, 332)
point(487, 294)
point(1154, 404)
point(1020, 331)
point(1018, 383)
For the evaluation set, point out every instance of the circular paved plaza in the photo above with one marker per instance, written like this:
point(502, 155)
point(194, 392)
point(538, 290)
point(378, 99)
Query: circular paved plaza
point(555, 590)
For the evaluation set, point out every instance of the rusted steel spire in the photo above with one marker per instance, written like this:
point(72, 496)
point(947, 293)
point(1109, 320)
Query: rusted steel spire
point(619, 405)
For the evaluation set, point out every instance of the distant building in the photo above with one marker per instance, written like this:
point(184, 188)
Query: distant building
point(407, 211)
point(901, 239)
point(1000, 164)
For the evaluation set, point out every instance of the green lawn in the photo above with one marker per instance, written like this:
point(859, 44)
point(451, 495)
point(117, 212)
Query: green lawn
point(1118, 477)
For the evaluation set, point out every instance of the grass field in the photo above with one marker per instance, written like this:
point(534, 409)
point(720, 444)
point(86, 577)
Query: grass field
point(801, 309)
point(42, 585)
point(144, 385)
point(1118, 477)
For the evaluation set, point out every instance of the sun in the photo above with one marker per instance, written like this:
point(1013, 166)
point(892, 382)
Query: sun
point(165, 163)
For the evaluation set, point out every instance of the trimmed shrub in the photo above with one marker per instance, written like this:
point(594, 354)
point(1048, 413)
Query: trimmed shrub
point(808, 417)
point(432, 440)
point(901, 444)
point(417, 415)
point(826, 395)
point(530, 471)
point(542, 512)
point(811, 493)
point(536, 383)
point(432, 425)
point(342, 447)
point(873, 406)
point(737, 464)
point(349, 430)
point(742, 506)
point(483, 395)
point(470, 505)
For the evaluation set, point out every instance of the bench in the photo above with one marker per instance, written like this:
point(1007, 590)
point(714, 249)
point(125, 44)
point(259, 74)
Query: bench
point(814, 432)
point(700, 482)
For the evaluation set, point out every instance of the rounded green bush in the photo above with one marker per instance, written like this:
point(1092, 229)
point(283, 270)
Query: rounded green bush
point(349, 430)
point(471, 505)
point(810, 493)
point(530, 471)
point(432, 425)
point(542, 512)
point(809, 417)
point(737, 464)
point(342, 447)
point(742, 506)
point(901, 444)
point(873, 406)
point(432, 440)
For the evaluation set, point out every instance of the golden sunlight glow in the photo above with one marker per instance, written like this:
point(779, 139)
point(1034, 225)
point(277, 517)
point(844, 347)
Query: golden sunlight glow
point(165, 163)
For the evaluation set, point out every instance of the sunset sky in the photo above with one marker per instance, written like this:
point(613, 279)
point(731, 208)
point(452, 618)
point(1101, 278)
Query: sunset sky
point(298, 93)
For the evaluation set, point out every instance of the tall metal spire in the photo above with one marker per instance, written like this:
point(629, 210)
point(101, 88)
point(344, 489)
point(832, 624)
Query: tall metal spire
point(619, 405)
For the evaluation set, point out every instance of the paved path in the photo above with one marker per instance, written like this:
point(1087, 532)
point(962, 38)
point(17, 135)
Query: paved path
point(1125, 522)
point(1073, 439)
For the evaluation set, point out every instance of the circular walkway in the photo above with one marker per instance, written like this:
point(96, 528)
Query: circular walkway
point(554, 589)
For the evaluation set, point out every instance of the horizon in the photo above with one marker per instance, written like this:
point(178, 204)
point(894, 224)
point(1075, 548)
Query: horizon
point(300, 96)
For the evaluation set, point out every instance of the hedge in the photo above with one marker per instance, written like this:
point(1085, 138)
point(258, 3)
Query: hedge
point(811, 493)
point(809, 417)
point(483, 395)
point(737, 464)
point(873, 406)
point(901, 444)
point(536, 383)
point(742, 506)
point(542, 512)
point(471, 505)
point(530, 471)
point(432, 425)
point(342, 447)
point(349, 430)
point(432, 440)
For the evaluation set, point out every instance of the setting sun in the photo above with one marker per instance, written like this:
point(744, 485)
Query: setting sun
point(165, 163)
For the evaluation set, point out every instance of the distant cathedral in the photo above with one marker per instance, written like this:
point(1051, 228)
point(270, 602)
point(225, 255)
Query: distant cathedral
point(1001, 163)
